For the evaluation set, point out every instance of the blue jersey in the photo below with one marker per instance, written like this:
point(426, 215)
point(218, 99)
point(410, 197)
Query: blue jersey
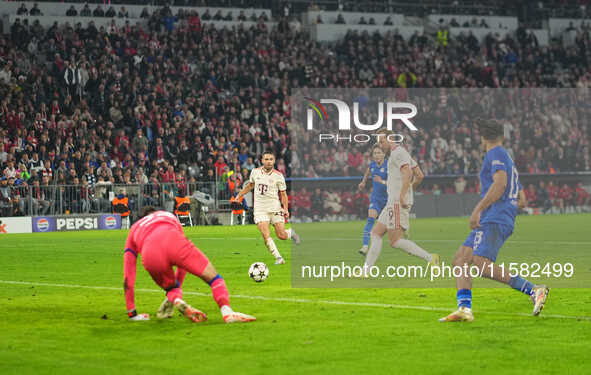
point(379, 189)
point(504, 210)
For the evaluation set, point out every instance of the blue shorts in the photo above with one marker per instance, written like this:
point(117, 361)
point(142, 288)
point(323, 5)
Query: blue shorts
point(488, 239)
point(377, 204)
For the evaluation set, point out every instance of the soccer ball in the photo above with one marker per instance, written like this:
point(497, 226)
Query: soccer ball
point(258, 272)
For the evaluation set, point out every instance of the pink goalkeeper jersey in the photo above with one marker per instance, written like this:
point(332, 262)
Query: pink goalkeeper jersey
point(146, 225)
point(135, 244)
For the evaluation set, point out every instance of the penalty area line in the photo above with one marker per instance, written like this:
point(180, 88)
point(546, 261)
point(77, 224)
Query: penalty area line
point(299, 300)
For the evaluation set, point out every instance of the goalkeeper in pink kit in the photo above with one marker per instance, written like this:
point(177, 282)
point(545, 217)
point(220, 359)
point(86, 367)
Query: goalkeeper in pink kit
point(158, 236)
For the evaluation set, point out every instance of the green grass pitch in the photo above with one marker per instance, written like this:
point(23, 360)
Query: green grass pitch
point(63, 312)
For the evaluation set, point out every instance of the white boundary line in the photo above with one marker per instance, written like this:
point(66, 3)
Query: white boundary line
point(299, 300)
point(197, 238)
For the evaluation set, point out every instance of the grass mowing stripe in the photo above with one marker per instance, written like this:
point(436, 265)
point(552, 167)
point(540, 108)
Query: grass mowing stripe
point(298, 300)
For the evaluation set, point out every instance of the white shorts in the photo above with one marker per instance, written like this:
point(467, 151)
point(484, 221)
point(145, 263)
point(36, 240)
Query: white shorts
point(393, 216)
point(273, 217)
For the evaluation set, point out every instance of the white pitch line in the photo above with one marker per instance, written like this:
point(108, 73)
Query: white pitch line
point(298, 300)
point(196, 237)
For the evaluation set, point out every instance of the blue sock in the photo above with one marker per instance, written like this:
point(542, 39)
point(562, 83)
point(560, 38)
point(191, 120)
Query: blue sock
point(367, 230)
point(521, 284)
point(465, 298)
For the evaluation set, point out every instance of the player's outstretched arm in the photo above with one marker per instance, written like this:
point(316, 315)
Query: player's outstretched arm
point(492, 195)
point(363, 180)
point(418, 176)
point(245, 190)
point(284, 202)
point(129, 271)
point(406, 175)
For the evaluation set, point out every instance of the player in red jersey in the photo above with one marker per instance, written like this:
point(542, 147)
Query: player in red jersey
point(158, 236)
point(582, 196)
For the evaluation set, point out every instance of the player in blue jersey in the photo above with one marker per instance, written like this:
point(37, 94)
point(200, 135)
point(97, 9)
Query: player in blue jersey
point(378, 170)
point(492, 222)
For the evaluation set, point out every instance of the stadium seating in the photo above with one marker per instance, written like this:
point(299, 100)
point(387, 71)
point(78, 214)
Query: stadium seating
point(209, 97)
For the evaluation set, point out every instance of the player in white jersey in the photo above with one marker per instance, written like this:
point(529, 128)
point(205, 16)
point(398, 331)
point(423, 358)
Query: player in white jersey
point(415, 181)
point(269, 186)
point(394, 218)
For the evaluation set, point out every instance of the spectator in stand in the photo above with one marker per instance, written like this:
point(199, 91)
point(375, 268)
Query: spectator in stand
point(16, 194)
point(311, 173)
point(110, 13)
point(195, 22)
point(40, 203)
point(171, 149)
point(166, 173)
point(98, 12)
point(249, 164)
point(72, 12)
point(553, 191)
point(543, 198)
point(435, 190)
point(354, 161)
point(123, 13)
point(565, 194)
point(460, 185)
point(582, 196)
point(531, 196)
point(85, 12)
point(317, 199)
point(220, 165)
point(303, 203)
point(168, 21)
point(22, 10)
point(35, 10)
point(332, 203)
point(6, 204)
point(145, 13)
point(139, 142)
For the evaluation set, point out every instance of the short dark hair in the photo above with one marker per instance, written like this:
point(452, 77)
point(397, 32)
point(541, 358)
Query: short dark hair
point(146, 210)
point(376, 147)
point(490, 129)
point(268, 152)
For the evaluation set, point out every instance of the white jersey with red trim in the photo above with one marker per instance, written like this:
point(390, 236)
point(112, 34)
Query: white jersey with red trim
point(266, 190)
point(399, 157)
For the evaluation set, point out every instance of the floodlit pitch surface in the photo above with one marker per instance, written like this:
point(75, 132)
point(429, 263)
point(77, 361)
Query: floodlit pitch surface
point(63, 311)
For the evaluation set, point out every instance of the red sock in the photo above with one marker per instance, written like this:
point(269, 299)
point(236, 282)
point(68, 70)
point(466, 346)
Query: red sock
point(180, 275)
point(219, 291)
point(174, 294)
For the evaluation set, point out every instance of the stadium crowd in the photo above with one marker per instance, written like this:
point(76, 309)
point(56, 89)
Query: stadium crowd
point(177, 102)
